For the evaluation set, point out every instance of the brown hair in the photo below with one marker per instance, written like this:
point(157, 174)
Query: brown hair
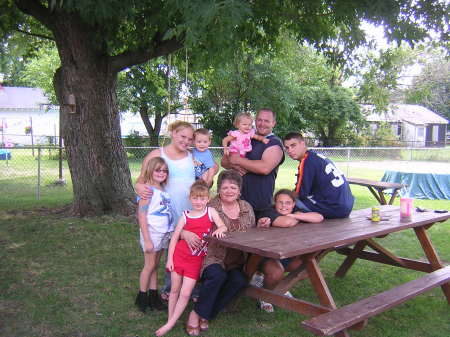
point(240, 116)
point(202, 131)
point(199, 189)
point(274, 114)
point(230, 175)
point(294, 135)
point(152, 165)
point(285, 191)
point(179, 125)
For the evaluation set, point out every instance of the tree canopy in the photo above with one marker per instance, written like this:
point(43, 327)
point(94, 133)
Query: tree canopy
point(98, 39)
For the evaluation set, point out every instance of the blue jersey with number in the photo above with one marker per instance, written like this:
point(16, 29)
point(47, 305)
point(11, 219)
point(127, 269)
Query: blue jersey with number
point(324, 189)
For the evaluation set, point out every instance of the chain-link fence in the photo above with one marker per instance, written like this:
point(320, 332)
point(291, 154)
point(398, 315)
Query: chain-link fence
point(41, 173)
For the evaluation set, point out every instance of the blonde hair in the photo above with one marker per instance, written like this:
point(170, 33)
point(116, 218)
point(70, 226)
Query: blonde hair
point(179, 125)
point(199, 189)
point(241, 115)
point(152, 165)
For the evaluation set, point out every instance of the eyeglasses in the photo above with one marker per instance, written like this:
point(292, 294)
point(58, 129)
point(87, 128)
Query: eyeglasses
point(162, 170)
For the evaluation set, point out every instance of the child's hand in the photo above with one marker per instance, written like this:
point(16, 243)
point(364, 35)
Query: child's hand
point(169, 265)
point(220, 232)
point(148, 247)
point(263, 222)
point(226, 151)
point(266, 141)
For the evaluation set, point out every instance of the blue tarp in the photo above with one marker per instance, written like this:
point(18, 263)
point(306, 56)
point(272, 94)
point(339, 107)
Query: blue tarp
point(421, 185)
point(5, 154)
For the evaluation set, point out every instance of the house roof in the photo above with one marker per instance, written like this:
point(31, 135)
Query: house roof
point(22, 98)
point(411, 113)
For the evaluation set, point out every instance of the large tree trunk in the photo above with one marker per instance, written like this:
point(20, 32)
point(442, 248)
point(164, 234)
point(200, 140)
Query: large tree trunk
point(96, 157)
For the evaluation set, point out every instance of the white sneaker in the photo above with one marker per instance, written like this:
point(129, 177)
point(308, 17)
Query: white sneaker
point(267, 307)
point(288, 294)
point(257, 280)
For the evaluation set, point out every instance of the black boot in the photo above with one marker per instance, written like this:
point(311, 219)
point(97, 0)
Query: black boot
point(141, 301)
point(155, 301)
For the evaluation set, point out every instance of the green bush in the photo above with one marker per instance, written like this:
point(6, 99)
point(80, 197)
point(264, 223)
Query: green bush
point(134, 140)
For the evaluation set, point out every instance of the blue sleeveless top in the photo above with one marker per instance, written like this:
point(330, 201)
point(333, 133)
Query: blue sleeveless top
point(258, 189)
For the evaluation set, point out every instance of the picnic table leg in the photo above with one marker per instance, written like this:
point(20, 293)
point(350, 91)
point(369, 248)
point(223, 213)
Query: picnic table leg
point(394, 194)
point(432, 256)
point(377, 196)
point(320, 286)
point(350, 259)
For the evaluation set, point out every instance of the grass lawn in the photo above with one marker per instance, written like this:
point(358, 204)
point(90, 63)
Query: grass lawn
point(64, 276)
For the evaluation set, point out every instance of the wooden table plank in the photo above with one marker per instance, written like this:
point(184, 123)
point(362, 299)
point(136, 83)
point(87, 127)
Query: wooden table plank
point(377, 188)
point(302, 239)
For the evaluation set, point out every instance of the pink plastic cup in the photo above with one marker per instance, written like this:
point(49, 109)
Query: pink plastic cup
point(406, 207)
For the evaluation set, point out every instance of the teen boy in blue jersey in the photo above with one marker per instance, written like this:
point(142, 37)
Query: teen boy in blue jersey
point(321, 187)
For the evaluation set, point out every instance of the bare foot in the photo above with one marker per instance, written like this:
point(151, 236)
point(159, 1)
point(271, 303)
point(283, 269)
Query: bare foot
point(163, 330)
point(193, 319)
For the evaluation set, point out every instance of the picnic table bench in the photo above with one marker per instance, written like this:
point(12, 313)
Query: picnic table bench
point(377, 188)
point(350, 236)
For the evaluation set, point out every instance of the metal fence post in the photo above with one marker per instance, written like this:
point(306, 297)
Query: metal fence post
point(348, 160)
point(38, 190)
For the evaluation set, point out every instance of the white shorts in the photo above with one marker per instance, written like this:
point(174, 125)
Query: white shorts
point(159, 240)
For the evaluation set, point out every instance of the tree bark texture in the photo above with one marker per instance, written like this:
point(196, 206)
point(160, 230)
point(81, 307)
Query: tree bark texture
point(96, 157)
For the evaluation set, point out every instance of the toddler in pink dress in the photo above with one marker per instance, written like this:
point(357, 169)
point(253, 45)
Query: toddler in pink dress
point(240, 139)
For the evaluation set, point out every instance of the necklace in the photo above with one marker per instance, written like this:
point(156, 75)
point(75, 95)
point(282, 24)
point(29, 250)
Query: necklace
point(233, 211)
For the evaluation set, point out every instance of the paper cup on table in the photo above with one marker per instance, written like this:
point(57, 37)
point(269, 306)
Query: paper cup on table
point(406, 207)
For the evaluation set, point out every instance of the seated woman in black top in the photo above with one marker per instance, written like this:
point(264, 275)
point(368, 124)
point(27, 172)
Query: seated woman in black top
point(282, 214)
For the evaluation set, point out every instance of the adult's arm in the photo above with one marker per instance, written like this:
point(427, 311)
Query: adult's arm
point(270, 159)
point(192, 239)
point(140, 187)
point(225, 162)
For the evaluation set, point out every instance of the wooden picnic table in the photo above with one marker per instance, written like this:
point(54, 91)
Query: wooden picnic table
point(349, 236)
point(377, 188)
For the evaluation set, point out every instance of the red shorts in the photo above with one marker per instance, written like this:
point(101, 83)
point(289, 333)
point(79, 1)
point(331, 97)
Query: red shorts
point(187, 265)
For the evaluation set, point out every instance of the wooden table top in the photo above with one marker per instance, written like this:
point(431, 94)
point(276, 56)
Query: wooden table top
point(377, 184)
point(280, 243)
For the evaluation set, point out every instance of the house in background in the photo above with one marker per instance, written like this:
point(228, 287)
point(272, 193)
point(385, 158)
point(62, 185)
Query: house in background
point(22, 108)
point(413, 124)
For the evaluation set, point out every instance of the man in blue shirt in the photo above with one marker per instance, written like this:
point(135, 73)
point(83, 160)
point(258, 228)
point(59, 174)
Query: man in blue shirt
point(321, 187)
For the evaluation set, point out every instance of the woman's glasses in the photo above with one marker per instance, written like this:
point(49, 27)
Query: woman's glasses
point(162, 170)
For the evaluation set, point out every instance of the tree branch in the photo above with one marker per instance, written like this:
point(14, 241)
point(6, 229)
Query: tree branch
point(36, 10)
point(157, 48)
point(36, 35)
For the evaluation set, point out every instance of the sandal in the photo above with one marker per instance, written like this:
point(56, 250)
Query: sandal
point(192, 330)
point(164, 296)
point(266, 306)
point(203, 324)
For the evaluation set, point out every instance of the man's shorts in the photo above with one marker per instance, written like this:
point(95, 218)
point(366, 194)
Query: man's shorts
point(159, 240)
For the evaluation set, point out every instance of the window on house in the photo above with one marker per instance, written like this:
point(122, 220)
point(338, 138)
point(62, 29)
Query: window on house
point(435, 135)
point(420, 131)
point(399, 129)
